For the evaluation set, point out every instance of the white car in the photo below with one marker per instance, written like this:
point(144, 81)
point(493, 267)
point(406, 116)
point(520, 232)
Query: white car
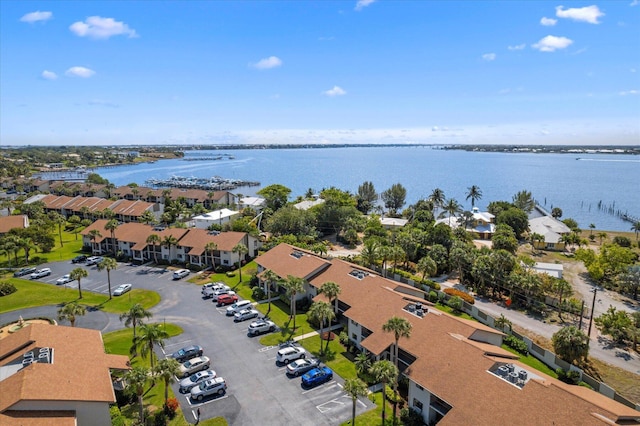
point(93, 260)
point(44, 272)
point(195, 379)
point(121, 289)
point(245, 314)
point(217, 293)
point(64, 279)
point(213, 287)
point(181, 273)
point(290, 353)
point(239, 306)
point(194, 365)
point(209, 387)
point(260, 327)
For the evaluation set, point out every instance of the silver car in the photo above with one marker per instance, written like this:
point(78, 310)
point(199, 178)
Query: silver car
point(195, 379)
point(245, 314)
point(260, 327)
point(64, 279)
point(194, 365)
point(301, 366)
point(209, 387)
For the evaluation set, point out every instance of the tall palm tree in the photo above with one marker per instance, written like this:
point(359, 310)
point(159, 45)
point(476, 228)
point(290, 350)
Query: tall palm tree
point(564, 289)
point(271, 278)
point(108, 264)
point(167, 369)
point(136, 380)
point(355, 388)
point(294, 285)
point(77, 274)
point(452, 208)
point(241, 250)
point(535, 238)
point(362, 363)
point(437, 198)
point(602, 236)
point(26, 243)
point(385, 254)
point(134, 316)
point(475, 194)
point(94, 234)
point(592, 226)
point(321, 311)
point(149, 336)
point(332, 290)
point(168, 242)
point(111, 226)
point(396, 255)
point(636, 228)
point(370, 252)
point(384, 372)
point(59, 220)
point(153, 240)
point(400, 327)
point(147, 217)
point(211, 248)
point(70, 311)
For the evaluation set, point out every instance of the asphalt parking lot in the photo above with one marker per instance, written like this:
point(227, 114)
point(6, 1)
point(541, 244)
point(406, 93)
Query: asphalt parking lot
point(259, 392)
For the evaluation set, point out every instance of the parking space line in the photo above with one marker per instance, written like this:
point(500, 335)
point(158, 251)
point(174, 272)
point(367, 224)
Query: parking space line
point(333, 382)
point(323, 409)
point(266, 348)
point(200, 404)
point(178, 343)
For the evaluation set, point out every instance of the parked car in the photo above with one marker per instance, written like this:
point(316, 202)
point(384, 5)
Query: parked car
point(64, 279)
point(209, 387)
point(181, 273)
point(44, 272)
point(214, 286)
point(122, 289)
point(210, 291)
point(239, 306)
point(219, 293)
point(227, 299)
point(94, 260)
point(186, 353)
point(317, 376)
point(245, 314)
point(290, 353)
point(301, 366)
point(195, 379)
point(24, 271)
point(79, 259)
point(260, 327)
point(194, 365)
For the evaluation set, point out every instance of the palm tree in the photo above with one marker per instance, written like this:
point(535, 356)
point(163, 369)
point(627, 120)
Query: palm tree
point(332, 290)
point(535, 237)
point(86, 212)
point(321, 311)
point(400, 327)
point(636, 228)
point(501, 322)
point(77, 274)
point(571, 344)
point(427, 266)
point(70, 311)
point(362, 362)
point(602, 236)
point(564, 289)
point(136, 379)
point(241, 249)
point(134, 316)
point(524, 201)
point(108, 264)
point(168, 242)
point(211, 248)
point(437, 197)
point(384, 372)
point(370, 252)
point(167, 369)
point(475, 194)
point(592, 226)
point(271, 278)
point(153, 240)
point(355, 388)
point(147, 217)
point(26, 244)
point(451, 207)
point(94, 234)
point(59, 220)
point(111, 226)
point(385, 254)
point(294, 285)
point(396, 255)
point(149, 336)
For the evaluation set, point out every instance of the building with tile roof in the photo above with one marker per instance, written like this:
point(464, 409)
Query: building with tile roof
point(56, 375)
point(458, 373)
point(7, 223)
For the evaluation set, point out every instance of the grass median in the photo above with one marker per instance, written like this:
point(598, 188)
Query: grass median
point(31, 294)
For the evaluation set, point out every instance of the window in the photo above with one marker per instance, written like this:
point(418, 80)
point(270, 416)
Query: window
point(354, 336)
point(417, 404)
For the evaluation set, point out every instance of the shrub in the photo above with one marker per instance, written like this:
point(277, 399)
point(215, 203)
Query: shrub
point(622, 241)
point(160, 418)
point(171, 407)
point(7, 288)
point(518, 344)
point(432, 284)
point(344, 338)
point(410, 417)
point(117, 419)
point(231, 274)
point(433, 296)
point(461, 294)
point(455, 303)
point(254, 281)
point(257, 293)
point(571, 377)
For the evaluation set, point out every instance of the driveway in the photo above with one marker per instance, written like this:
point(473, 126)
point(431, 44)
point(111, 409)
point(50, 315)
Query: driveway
point(259, 392)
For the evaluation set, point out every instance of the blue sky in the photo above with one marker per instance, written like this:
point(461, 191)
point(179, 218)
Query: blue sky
point(151, 72)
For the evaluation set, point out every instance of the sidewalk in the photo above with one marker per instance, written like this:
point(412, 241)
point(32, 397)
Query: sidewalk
point(315, 333)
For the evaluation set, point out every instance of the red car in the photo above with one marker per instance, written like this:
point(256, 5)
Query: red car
point(227, 299)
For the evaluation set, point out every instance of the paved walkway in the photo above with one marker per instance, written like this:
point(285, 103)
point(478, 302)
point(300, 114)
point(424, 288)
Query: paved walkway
point(315, 333)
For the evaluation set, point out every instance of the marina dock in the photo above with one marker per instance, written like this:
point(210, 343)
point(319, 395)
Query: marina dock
point(215, 183)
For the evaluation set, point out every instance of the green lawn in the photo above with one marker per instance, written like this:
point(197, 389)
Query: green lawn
point(373, 417)
point(70, 249)
point(449, 310)
point(336, 358)
point(31, 294)
point(533, 362)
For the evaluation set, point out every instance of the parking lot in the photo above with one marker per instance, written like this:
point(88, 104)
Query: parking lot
point(259, 392)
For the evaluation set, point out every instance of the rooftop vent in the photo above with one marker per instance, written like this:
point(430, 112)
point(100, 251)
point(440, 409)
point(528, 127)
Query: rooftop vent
point(513, 374)
point(358, 274)
point(416, 309)
point(213, 232)
point(297, 254)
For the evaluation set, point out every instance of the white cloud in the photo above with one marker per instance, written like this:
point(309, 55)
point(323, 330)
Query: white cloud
point(517, 47)
point(489, 56)
point(80, 72)
point(361, 4)
point(634, 3)
point(101, 28)
point(335, 91)
point(630, 92)
point(588, 14)
point(36, 16)
point(49, 75)
point(632, 70)
point(552, 43)
point(267, 63)
point(548, 22)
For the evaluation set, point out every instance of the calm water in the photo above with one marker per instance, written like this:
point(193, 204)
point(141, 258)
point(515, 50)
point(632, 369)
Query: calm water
point(555, 180)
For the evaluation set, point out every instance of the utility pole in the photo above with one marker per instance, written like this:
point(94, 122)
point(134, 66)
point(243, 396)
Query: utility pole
point(581, 315)
point(593, 305)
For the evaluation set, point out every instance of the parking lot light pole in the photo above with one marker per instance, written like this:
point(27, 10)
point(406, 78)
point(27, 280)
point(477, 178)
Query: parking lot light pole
point(593, 305)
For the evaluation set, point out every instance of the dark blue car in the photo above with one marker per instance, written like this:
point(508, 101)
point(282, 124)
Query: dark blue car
point(317, 376)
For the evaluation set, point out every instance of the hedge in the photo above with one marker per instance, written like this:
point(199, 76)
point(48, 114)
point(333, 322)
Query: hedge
point(461, 294)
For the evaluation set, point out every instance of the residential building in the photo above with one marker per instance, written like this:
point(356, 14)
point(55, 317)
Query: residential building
point(482, 224)
point(56, 375)
point(7, 223)
point(392, 222)
point(551, 230)
point(457, 372)
point(307, 204)
point(216, 217)
point(255, 203)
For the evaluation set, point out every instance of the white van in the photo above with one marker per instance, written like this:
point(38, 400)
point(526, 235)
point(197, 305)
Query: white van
point(239, 306)
point(180, 273)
